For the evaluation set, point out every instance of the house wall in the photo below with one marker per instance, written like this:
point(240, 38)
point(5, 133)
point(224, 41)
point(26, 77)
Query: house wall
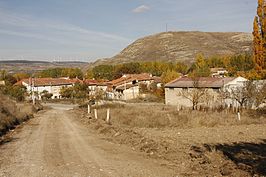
point(131, 93)
point(54, 89)
point(173, 96)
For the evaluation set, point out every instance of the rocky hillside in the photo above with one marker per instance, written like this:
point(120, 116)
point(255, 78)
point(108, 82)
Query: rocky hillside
point(182, 46)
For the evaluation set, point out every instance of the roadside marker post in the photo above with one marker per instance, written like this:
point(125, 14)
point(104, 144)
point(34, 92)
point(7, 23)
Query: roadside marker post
point(108, 116)
point(95, 114)
point(238, 116)
point(89, 109)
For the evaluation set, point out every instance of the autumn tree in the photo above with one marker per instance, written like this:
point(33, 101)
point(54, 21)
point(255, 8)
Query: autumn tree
point(200, 68)
point(103, 72)
point(20, 76)
point(259, 36)
point(169, 76)
point(126, 68)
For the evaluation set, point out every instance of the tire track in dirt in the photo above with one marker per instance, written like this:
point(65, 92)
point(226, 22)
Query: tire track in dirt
point(53, 144)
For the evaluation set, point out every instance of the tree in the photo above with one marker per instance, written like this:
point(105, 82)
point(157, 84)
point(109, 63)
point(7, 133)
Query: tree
point(66, 92)
point(3, 74)
point(200, 67)
point(46, 95)
point(127, 68)
point(259, 36)
point(181, 68)
point(244, 95)
point(169, 76)
point(10, 80)
point(20, 76)
point(259, 94)
point(78, 91)
point(195, 94)
point(103, 72)
point(17, 92)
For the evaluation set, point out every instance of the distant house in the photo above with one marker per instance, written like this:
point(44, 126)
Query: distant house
point(51, 85)
point(174, 91)
point(218, 72)
point(95, 86)
point(128, 86)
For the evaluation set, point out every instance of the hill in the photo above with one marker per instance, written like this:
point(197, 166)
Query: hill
point(182, 46)
point(28, 66)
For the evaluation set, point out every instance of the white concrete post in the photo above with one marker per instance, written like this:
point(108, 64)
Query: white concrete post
point(238, 116)
point(178, 108)
point(108, 116)
point(89, 109)
point(95, 114)
point(33, 99)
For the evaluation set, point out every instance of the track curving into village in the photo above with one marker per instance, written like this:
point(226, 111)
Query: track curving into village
point(54, 144)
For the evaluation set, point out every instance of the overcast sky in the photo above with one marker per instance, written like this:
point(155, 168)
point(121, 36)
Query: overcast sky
point(89, 29)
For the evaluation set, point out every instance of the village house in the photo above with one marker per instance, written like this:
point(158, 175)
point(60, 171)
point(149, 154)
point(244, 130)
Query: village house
point(176, 90)
point(128, 86)
point(51, 85)
point(95, 86)
point(218, 72)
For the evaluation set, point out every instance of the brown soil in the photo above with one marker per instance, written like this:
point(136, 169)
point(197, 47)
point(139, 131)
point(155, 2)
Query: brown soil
point(55, 144)
point(218, 150)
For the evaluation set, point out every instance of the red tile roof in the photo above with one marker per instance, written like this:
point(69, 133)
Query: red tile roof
point(95, 82)
point(49, 81)
point(130, 78)
point(90, 82)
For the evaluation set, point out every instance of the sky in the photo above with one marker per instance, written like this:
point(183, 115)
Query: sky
point(86, 30)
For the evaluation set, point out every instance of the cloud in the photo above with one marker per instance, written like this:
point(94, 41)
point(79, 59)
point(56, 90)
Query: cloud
point(141, 9)
point(39, 27)
point(57, 37)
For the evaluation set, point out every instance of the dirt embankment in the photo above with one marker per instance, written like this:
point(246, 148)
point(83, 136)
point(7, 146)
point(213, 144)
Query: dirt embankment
point(193, 143)
point(13, 113)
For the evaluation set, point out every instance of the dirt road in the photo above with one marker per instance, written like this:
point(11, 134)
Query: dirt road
point(54, 144)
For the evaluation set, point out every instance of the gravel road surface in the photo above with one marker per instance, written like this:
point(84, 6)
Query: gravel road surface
point(54, 144)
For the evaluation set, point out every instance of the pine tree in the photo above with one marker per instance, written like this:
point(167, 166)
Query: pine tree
point(259, 34)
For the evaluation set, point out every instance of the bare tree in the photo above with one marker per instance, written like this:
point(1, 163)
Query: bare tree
point(260, 94)
point(243, 95)
point(195, 94)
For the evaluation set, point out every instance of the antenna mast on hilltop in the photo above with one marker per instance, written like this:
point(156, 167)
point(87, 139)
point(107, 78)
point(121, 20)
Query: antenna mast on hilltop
point(166, 27)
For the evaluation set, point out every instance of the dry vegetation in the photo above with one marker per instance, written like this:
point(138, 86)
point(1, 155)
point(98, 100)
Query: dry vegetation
point(161, 116)
point(195, 143)
point(13, 113)
point(182, 46)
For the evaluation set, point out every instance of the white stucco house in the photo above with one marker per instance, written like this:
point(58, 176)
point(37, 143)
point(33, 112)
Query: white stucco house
point(176, 90)
point(95, 87)
point(128, 86)
point(51, 85)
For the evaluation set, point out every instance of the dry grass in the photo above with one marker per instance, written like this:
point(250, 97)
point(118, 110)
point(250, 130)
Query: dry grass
point(161, 116)
point(12, 113)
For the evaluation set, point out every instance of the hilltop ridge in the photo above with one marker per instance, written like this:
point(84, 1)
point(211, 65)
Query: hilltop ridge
point(182, 46)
